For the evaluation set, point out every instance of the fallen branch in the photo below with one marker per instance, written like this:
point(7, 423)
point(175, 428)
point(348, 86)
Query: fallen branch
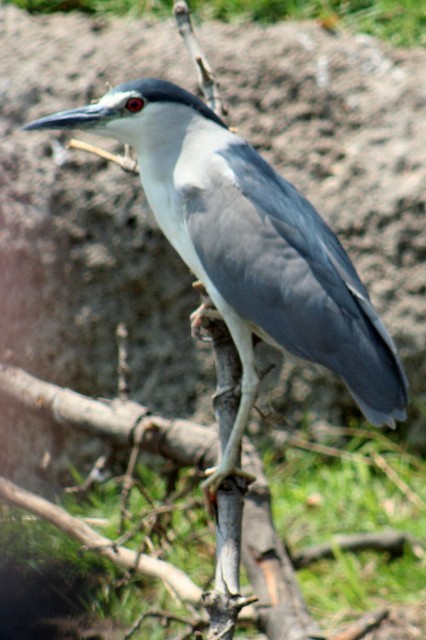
point(282, 610)
point(125, 558)
point(392, 542)
point(361, 627)
point(123, 422)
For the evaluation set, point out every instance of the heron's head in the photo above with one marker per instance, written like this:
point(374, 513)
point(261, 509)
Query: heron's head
point(131, 110)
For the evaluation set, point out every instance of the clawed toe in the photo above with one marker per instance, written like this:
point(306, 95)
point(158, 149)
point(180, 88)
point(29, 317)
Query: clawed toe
point(205, 310)
point(215, 477)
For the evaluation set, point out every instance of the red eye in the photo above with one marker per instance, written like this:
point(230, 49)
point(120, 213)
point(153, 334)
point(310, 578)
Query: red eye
point(134, 105)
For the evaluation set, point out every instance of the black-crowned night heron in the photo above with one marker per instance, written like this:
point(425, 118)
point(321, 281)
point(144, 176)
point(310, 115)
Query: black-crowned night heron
point(268, 261)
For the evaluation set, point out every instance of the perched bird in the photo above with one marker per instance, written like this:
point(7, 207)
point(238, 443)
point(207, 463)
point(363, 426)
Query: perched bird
point(268, 261)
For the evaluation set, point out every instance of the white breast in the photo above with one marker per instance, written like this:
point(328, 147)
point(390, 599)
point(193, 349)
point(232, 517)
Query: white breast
point(169, 213)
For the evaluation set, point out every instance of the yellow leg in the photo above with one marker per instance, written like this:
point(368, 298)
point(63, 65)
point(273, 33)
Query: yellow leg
point(242, 336)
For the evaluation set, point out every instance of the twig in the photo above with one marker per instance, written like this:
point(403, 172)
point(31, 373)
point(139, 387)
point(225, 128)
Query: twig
point(165, 618)
point(300, 443)
point(126, 162)
point(128, 478)
point(373, 434)
point(92, 540)
point(374, 459)
point(122, 361)
point(94, 475)
point(123, 389)
point(397, 480)
point(206, 78)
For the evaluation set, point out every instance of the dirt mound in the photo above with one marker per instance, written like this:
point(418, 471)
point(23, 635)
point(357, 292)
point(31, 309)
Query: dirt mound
point(339, 116)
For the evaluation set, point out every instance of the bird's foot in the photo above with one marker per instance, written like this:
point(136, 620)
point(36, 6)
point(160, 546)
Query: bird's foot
point(205, 310)
point(220, 391)
point(215, 477)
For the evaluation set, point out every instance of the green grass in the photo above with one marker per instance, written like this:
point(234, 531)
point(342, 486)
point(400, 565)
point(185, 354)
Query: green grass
point(181, 533)
point(400, 22)
point(352, 496)
point(314, 499)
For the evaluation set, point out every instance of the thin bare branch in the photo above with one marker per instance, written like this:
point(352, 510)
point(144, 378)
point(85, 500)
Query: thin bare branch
point(373, 459)
point(205, 75)
point(300, 443)
point(128, 478)
point(94, 476)
point(165, 617)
